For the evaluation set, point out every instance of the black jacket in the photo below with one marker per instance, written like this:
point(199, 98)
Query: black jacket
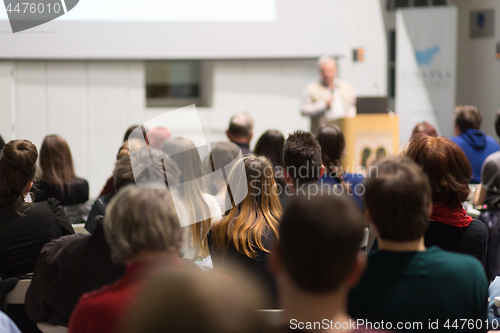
point(66, 269)
point(23, 237)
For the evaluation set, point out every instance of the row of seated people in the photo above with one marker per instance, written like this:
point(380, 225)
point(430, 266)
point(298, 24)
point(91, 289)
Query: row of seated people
point(249, 228)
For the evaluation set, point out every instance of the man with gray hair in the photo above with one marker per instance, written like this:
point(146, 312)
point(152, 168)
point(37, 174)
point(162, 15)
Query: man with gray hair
point(240, 132)
point(328, 99)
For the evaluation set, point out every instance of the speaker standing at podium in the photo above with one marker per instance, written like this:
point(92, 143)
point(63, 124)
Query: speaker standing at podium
point(328, 99)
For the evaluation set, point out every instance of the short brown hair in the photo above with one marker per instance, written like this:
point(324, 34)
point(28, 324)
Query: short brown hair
point(446, 166)
point(398, 196)
point(302, 150)
point(468, 117)
point(424, 127)
point(320, 237)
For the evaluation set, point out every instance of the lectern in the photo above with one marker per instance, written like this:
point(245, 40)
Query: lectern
point(368, 137)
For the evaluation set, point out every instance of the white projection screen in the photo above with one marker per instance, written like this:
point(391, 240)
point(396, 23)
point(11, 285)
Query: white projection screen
point(180, 29)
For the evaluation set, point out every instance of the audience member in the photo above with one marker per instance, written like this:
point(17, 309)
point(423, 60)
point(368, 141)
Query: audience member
point(317, 262)
point(244, 237)
point(202, 207)
point(187, 302)
point(303, 165)
point(67, 268)
point(222, 156)
point(122, 176)
point(406, 285)
point(488, 193)
point(424, 127)
point(302, 159)
point(240, 131)
point(124, 150)
point(143, 230)
point(58, 174)
point(25, 227)
point(59, 180)
point(157, 136)
point(270, 145)
point(448, 171)
point(475, 144)
point(129, 131)
point(73, 265)
point(332, 142)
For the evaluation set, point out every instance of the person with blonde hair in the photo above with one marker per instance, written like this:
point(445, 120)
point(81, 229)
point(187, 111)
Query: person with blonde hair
point(203, 209)
point(246, 234)
point(142, 227)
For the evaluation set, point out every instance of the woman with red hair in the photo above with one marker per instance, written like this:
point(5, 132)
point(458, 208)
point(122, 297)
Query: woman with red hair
point(449, 173)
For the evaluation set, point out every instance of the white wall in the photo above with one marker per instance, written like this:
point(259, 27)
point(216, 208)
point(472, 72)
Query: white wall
point(478, 70)
point(362, 25)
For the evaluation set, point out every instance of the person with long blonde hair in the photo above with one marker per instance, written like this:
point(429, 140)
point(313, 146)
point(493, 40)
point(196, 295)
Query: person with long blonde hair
point(246, 234)
point(203, 209)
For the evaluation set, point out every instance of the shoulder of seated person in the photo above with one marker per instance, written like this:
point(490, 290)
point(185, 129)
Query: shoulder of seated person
point(58, 246)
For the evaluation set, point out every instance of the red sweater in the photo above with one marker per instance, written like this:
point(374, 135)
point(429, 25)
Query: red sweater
point(102, 310)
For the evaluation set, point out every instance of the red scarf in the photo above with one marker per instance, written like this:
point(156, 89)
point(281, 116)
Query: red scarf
point(455, 217)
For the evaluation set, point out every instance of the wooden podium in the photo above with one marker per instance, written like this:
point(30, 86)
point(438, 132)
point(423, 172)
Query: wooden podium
point(368, 137)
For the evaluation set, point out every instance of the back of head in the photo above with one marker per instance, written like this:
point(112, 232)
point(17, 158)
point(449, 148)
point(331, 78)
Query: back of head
point(320, 237)
point(397, 197)
point(188, 302)
point(446, 166)
point(223, 154)
point(257, 208)
point(425, 128)
point(185, 154)
point(129, 131)
point(17, 171)
point(157, 136)
point(302, 156)
point(332, 142)
point(151, 166)
point(270, 144)
point(241, 126)
point(468, 117)
point(56, 161)
point(140, 219)
point(123, 174)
